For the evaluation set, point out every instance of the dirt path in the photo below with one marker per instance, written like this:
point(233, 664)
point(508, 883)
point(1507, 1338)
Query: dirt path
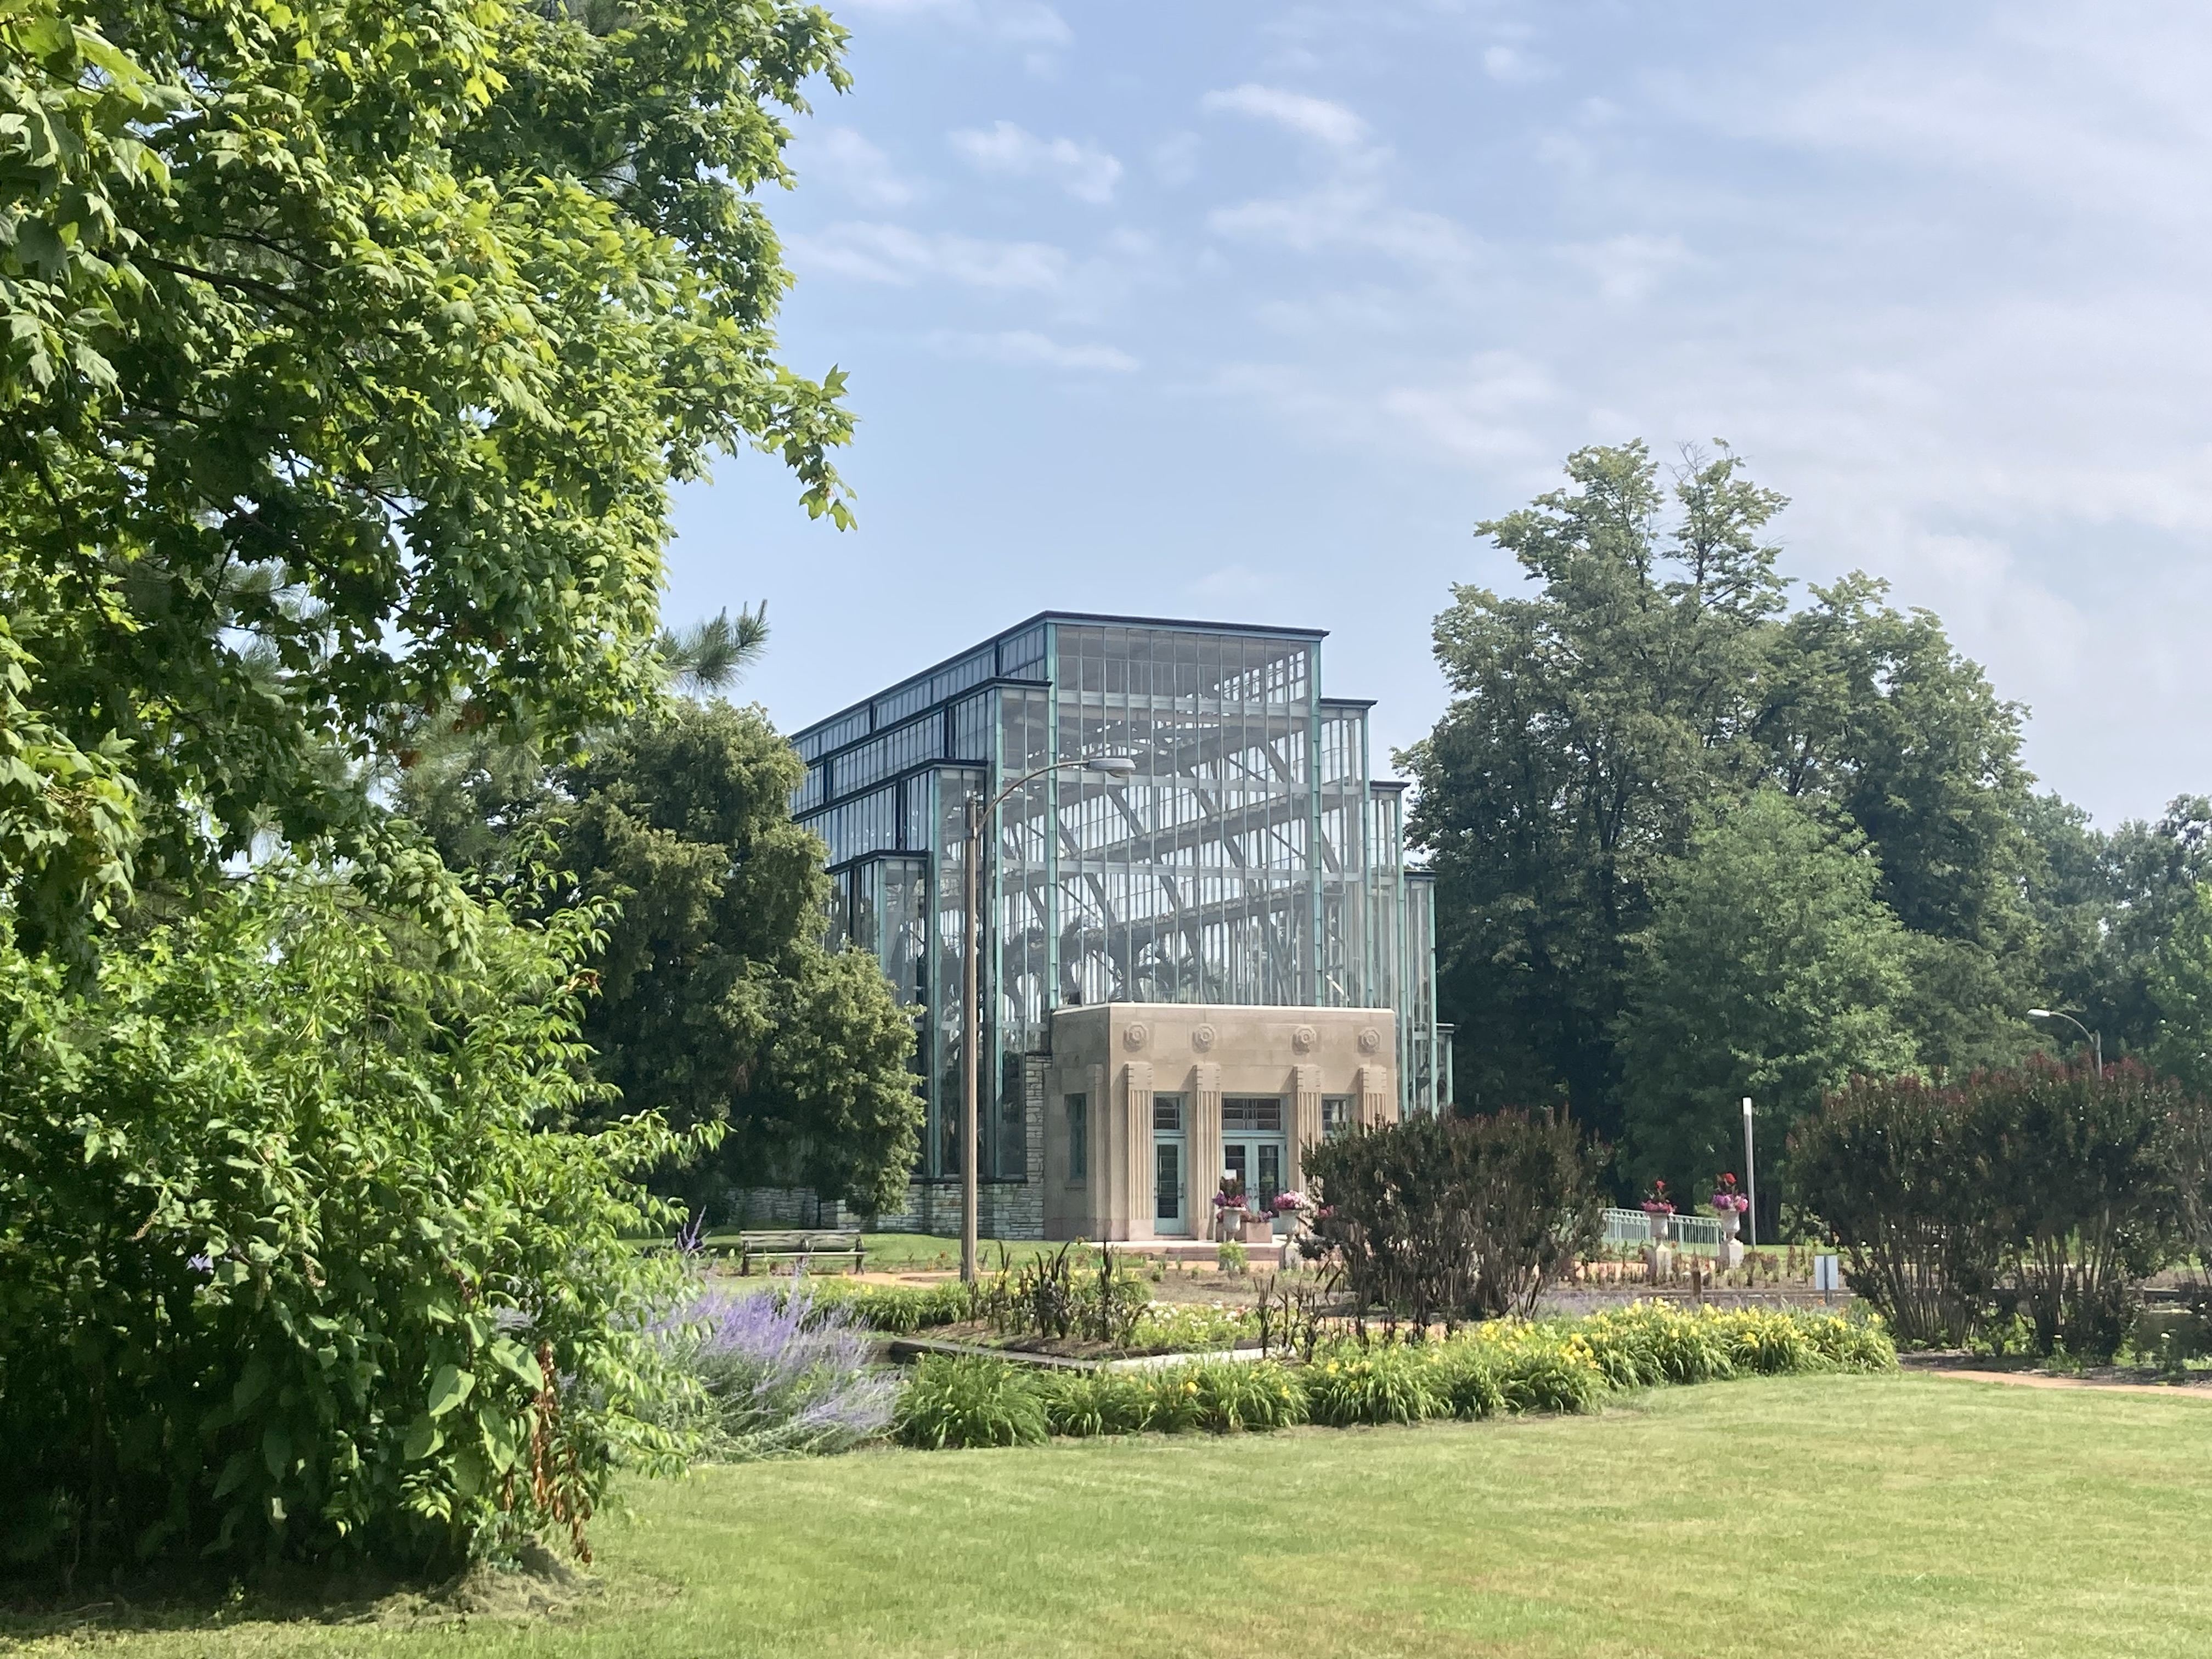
point(2033, 1380)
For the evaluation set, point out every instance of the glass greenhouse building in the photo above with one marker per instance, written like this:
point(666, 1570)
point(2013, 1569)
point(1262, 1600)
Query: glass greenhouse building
point(1251, 862)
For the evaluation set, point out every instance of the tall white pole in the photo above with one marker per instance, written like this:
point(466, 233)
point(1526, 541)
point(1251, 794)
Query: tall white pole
point(1751, 1173)
point(970, 1039)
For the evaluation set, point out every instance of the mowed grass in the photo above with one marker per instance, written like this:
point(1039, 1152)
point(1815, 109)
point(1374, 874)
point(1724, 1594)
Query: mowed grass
point(892, 1253)
point(1857, 1517)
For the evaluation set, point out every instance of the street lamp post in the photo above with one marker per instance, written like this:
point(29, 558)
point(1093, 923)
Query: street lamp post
point(2096, 1038)
point(979, 812)
point(1751, 1173)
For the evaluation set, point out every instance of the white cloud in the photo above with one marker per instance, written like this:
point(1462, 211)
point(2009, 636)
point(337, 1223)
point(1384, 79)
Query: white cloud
point(1511, 64)
point(1491, 412)
point(892, 253)
point(1316, 118)
point(1023, 347)
point(1941, 285)
point(1084, 171)
point(848, 160)
point(1355, 215)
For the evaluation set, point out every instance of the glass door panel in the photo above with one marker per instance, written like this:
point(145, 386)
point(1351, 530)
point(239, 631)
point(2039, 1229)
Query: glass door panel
point(1255, 1148)
point(1168, 1213)
point(1167, 1188)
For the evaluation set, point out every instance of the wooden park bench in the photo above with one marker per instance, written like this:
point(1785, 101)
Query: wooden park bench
point(791, 1246)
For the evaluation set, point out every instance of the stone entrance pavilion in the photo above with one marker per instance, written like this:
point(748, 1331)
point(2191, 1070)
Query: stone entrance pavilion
point(1147, 1105)
point(1208, 965)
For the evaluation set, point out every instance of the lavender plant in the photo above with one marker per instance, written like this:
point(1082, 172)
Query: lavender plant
point(782, 1376)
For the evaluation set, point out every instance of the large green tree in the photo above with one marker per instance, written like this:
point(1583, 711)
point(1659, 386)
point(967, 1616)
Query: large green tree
point(1658, 675)
point(2115, 906)
point(717, 1000)
point(2180, 986)
point(1771, 969)
point(1872, 712)
point(1588, 724)
point(347, 355)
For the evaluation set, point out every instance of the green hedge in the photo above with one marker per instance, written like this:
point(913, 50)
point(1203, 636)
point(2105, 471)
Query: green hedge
point(1504, 1366)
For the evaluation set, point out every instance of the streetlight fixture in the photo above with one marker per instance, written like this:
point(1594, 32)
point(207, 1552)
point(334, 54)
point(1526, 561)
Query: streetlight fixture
point(979, 811)
point(1751, 1171)
point(2096, 1038)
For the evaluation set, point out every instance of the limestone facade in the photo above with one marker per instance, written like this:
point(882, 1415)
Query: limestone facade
point(1119, 1074)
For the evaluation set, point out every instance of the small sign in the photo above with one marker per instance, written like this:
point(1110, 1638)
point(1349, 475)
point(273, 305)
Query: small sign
point(1827, 1273)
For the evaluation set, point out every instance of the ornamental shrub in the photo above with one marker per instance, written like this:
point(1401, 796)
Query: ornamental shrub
point(295, 1260)
point(2075, 1166)
point(2050, 1190)
point(1893, 1167)
point(964, 1399)
point(1441, 1218)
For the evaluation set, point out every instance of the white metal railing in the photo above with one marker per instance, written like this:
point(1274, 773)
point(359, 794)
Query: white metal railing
point(1630, 1227)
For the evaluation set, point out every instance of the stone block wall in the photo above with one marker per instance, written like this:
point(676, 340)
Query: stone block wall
point(1004, 1209)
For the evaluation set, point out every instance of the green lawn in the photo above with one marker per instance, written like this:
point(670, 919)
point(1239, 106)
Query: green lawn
point(894, 1253)
point(1804, 1515)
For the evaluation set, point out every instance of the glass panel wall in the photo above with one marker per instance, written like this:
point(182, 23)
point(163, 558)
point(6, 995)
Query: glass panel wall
point(1248, 859)
point(1193, 881)
point(954, 788)
point(1342, 975)
point(1421, 1070)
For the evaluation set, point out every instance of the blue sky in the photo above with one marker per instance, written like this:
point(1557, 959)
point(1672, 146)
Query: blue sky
point(1250, 312)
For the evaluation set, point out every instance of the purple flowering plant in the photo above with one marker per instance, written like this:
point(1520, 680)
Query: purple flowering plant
point(781, 1375)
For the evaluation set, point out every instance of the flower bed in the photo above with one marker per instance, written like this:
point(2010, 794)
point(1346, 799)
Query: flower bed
point(1157, 1327)
point(1500, 1367)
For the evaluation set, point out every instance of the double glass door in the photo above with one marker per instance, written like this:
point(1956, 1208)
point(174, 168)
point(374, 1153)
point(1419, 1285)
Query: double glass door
point(1254, 1145)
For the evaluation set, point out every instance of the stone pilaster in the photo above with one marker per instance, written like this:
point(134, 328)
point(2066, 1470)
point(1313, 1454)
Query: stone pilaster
point(1378, 1102)
point(1134, 1131)
point(1305, 1120)
point(1204, 1144)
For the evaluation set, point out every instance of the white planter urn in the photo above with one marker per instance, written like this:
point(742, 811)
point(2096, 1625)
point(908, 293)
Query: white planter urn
point(1731, 1251)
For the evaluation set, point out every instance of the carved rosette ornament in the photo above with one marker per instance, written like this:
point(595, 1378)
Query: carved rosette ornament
point(1135, 1035)
point(1202, 1037)
point(1370, 1040)
point(1302, 1039)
